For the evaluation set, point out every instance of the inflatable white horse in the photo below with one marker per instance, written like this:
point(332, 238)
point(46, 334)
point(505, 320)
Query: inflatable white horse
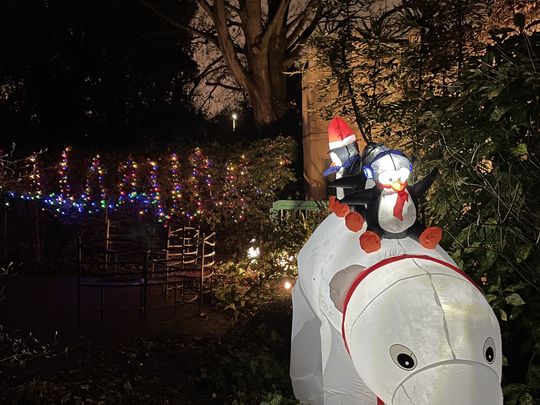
point(399, 326)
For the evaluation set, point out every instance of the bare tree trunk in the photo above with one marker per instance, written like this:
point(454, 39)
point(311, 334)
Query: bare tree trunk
point(262, 109)
point(265, 41)
point(268, 88)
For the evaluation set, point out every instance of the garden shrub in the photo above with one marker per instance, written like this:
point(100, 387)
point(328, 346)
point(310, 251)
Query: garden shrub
point(227, 188)
point(252, 365)
point(247, 283)
point(484, 137)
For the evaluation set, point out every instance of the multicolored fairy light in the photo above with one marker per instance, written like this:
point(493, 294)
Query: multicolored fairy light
point(95, 180)
point(192, 195)
point(200, 181)
point(176, 187)
point(63, 183)
point(155, 192)
point(128, 184)
point(243, 183)
point(36, 190)
point(236, 183)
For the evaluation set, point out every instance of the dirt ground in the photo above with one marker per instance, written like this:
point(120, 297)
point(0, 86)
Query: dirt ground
point(45, 305)
point(172, 358)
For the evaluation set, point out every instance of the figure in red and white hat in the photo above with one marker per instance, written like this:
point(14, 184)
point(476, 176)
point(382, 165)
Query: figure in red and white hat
point(343, 149)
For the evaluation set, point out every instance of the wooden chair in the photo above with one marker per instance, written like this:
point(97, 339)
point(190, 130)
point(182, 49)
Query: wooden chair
point(202, 270)
point(182, 247)
point(181, 250)
point(188, 263)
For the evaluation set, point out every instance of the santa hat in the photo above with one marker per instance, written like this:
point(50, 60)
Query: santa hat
point(339, 133)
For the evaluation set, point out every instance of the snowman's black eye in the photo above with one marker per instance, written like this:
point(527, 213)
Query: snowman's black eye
point(489, 350)
point(403, 357)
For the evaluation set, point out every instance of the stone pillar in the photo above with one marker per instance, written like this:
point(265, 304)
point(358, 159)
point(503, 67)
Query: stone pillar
point(315, 129)
point(314, 135)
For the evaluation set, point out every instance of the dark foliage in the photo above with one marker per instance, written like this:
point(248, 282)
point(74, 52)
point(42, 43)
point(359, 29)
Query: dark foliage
point(485, 137)
point(92, 72)
point(429, 76)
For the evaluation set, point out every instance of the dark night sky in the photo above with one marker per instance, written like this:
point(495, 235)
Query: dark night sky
point(100, 72)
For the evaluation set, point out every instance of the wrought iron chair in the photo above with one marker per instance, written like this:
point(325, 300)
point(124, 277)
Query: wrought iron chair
point(106, 263)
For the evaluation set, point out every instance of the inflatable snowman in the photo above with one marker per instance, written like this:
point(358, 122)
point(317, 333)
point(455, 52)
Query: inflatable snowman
point(399, 326)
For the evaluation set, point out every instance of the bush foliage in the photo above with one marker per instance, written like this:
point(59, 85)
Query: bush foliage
point(485, 138)
point(233, 191)
point(247, 283)
point(475, 116)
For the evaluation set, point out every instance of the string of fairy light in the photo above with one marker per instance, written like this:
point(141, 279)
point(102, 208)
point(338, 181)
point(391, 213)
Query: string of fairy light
point(128, 183)
point(154, 198)
point(236, 183)
point(95, 181)
point(65, 188)
point(35, 178)
point(188, 196)
point(176, 189)
point(200, 183)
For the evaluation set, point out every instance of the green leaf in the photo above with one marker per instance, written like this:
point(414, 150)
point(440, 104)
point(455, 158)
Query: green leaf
point(489, 260)
point(491, 297)
point(524, 253)
point(494, 92)
point(503, 315)
point(515, 287)
point(514, 300)
point(520, 150)
point(516, 312)
point(495, 287)
point(527, 399)
point(498, 113)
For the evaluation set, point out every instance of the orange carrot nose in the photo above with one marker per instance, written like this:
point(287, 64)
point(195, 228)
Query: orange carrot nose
point(398, 185)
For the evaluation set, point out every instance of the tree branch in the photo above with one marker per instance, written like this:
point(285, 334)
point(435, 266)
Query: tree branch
point(210, 68)
point(295, 46)
point(277, 22)
point(251, 17)
point(226, 45)
point(303, 20)
point(225, 86)
point(208, 97)
point(176, 24)
point(233, 8)
point(207, 7)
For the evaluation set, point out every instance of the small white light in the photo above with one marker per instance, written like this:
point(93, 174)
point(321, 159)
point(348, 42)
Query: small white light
point(253, 253)
point(234, 116)
point(287, 285)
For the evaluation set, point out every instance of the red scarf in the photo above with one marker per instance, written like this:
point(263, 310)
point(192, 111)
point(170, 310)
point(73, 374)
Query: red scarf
point(402, 198)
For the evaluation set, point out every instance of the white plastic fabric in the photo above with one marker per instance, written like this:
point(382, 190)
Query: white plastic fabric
point(423, 305)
